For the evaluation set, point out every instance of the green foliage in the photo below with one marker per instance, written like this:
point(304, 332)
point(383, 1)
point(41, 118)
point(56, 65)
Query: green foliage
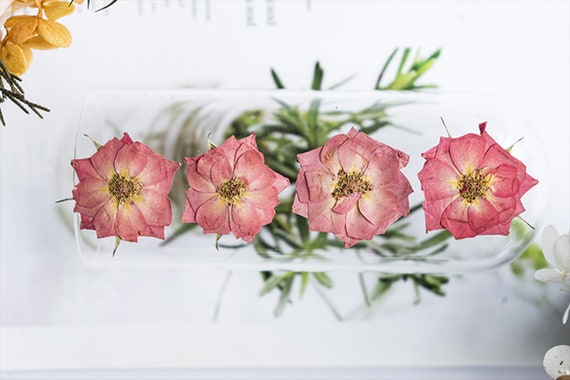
point(11, 89)
point(429, 282)
point(405, 79)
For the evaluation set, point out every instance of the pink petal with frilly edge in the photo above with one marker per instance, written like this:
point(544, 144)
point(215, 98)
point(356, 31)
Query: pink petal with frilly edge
point(467, 152)
point(213, 216)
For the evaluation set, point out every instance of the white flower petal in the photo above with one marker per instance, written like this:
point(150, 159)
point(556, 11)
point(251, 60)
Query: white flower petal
point(565, 316)
point(548, 275)
point(561, 253)
point(549, 236)
point(557, 361)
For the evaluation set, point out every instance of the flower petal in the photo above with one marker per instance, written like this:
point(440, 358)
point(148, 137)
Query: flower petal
point(322, 219)
point(328, 155)
point(195, 179)
point(155, 208)
point(504, 182)
point(246, 220)
point(482, 216)
point(548, 275)
point(380, 208)
point(466, 152)
point(21, 28)
point(131, 159)
point(91, 193)
point(103, 160)
point(455, 219)
point(104, 220)
point(358, 228)
point(439, 180)
point(56, 9)
point(85, 170)
point(318, 185)
point(16, 58)
point(347, 203)
point(195, 199)
point(213, 216)
point(561, 250)
point(54, 33)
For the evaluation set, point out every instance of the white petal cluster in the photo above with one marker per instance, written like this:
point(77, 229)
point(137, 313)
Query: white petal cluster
point(556, 249)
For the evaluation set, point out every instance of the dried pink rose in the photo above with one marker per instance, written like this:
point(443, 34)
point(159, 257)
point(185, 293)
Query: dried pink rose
point(232, 190)
point(123, 190)
point(472, 186)
point(352, 187)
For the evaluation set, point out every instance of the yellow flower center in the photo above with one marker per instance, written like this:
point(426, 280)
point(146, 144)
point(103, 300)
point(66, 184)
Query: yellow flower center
point(232, 190)
point(124, 189)
point(349, 183)
point(473, 185)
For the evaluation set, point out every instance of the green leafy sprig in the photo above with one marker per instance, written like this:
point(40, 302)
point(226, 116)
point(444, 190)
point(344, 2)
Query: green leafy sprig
point(11, 89)
point(405, 79)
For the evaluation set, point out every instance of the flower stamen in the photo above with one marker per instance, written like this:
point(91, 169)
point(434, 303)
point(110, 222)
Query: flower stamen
point(232, 190)
point(349, 183)
point(473, 185)
point(124, 189)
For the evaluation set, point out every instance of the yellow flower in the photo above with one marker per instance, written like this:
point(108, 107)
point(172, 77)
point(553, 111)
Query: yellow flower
point(26, 32)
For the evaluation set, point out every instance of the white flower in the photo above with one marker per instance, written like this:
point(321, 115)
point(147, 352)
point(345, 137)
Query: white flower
point(556, 249)
point(557, 361)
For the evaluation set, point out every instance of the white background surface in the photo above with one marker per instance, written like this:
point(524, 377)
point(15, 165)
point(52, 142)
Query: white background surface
point(57, 314)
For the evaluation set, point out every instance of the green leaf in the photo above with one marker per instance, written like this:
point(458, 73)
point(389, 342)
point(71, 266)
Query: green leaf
point(384, 284)
point(95, 143)
point(317, 77)
point(261, 246)
point(277, 80)
point(274, 281)
point(342, 82)
point(305, 276)
point(288, 238)
point(403, 60)
point(438, 238)
point(323, 279)
point(386, 64)
point(302, 227)
point(284, 297)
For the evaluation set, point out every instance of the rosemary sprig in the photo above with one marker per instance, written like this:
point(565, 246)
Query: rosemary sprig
point(11, 89)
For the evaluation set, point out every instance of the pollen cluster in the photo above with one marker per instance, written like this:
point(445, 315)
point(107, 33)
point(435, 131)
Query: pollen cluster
point(473, 185)
point(349, 183)
point(124, 189)
point(232, 190)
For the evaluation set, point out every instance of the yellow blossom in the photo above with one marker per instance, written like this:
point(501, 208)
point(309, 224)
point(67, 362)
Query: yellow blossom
point(40, 31)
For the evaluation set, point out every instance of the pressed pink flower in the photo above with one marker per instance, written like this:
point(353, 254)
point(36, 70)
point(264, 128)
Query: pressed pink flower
point(352, 187)
point(472, 186)
point(232, 190)
point(123, 190)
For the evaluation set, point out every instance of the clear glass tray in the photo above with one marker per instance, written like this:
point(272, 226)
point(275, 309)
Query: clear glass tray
point(179, 122)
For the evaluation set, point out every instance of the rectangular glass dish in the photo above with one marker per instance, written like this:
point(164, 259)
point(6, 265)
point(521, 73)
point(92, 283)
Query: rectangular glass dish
point(179, 123)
